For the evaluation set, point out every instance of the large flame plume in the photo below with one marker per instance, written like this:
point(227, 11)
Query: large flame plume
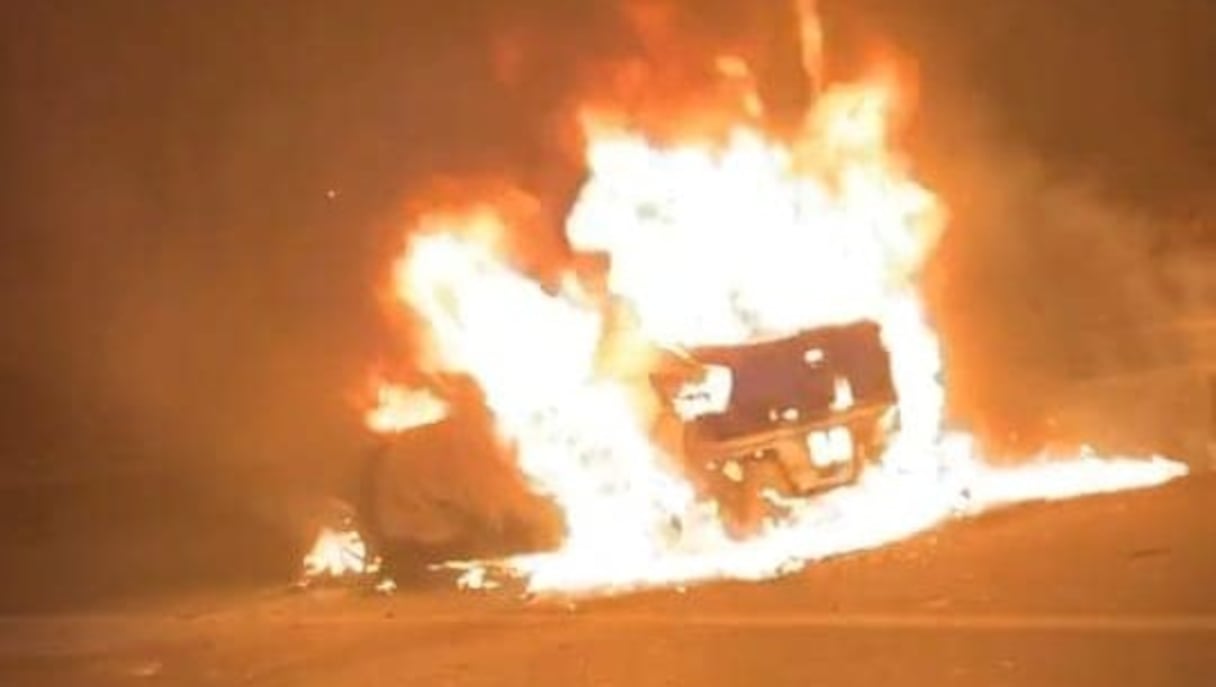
point(710, 241)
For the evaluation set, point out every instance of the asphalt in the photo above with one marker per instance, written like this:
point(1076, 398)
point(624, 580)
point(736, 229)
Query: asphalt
point(1106, 591)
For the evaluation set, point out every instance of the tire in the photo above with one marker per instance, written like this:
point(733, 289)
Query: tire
point(447, 491)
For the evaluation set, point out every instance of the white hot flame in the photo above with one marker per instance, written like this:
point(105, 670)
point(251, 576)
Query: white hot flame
point(717, 243)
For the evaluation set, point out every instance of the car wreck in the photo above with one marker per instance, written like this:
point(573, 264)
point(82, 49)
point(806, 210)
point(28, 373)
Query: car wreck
point(789, 416)
point(747, 425)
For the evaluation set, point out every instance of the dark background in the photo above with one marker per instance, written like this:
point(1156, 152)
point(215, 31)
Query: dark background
point(190, 320)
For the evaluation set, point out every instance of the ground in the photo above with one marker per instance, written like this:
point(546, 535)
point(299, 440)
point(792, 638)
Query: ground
point(1113, 590)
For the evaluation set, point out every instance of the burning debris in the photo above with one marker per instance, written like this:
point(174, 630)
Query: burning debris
point(636, 404)
point(339, 553)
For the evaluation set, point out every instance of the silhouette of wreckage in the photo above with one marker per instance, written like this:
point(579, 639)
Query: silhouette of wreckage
point(791, 416)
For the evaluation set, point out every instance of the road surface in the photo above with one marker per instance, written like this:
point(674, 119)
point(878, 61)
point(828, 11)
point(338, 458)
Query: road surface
point(1106, 591)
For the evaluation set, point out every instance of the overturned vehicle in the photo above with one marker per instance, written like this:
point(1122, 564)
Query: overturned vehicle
point(790, 416)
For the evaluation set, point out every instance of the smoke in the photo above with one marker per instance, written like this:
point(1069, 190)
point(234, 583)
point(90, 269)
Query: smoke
point(1054, 297)
point(205, 202)
point(1079, 256)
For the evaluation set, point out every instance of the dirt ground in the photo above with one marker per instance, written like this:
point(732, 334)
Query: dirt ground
point(1113, 590)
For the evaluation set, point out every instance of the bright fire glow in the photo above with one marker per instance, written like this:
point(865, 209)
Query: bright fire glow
point(338, 553)
point(712, 242)
point(399, 409)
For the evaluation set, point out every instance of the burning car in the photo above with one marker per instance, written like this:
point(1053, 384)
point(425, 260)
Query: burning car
point(784, 417)
point(630, 424)
point(787, 416)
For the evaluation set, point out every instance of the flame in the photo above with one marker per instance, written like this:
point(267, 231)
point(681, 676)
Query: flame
point(577, 435)
point(719, 241)
point(399, 409)
point(339, 553)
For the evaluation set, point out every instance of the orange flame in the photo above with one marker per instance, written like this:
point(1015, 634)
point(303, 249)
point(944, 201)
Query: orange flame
point(714, 243)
